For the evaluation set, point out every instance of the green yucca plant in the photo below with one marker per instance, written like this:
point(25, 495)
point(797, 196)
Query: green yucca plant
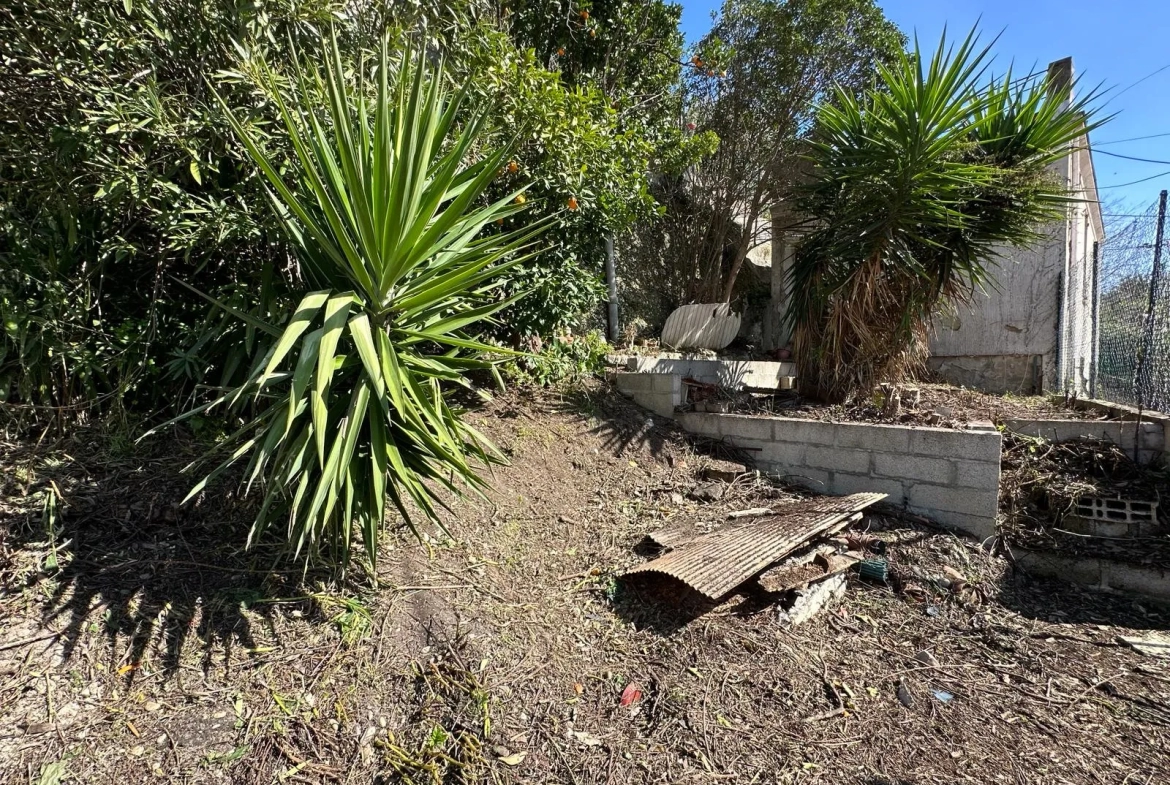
point(399, 247)
point(915, 189)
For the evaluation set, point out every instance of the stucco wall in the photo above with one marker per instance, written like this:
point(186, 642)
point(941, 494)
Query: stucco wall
point(1036, 313)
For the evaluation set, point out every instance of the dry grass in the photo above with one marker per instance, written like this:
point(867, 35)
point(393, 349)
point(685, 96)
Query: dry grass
point(163, 653)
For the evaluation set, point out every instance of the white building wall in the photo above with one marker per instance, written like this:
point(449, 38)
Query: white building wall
point(1033, 330)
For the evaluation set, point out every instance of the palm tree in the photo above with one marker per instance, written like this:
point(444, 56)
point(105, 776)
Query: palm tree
point(916, 187)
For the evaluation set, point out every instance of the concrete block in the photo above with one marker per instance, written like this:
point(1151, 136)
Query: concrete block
point(977, 474)
point(817, 480)
point(1153, 436)
point(666, 382)
point(938, 471)
point(981, 527)
point(726, 373)
point(845, 483)
point(697, 422)
point(789, 429)
point(972, 445)
point(660, 403)
point(969, 501)
point(1085, 571)
point(745, 426)
point(632, 382)
point(884, 438)
point(1147, 581)
point(838, 459)
point(782, 454)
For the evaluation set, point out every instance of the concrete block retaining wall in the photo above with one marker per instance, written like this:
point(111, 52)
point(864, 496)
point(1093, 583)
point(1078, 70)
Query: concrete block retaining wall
point(658, 392)
point(950, 476)
point(1147, 438)
point(1101, 574)
point(725, 373)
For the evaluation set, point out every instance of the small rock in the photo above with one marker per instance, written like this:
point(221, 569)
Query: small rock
point(926, 658)
point(152, 705)
point(588, 739)
point(709, 492)
point(137, 750)
point(904, 696)
point(676, 498)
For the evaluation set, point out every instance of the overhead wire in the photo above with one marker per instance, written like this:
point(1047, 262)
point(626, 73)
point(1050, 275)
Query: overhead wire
point(1132, 158)
point(1131, 139)
point(1135, 182)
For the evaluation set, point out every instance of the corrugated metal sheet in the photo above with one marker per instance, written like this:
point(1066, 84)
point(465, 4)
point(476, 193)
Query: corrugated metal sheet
point(716, 563)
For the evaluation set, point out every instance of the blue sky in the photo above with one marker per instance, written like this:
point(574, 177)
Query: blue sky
point(1115, 43)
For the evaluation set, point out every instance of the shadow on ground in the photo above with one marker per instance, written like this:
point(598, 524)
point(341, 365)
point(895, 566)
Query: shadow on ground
point(1060, 602)
point(120, 557)
point(623, 426)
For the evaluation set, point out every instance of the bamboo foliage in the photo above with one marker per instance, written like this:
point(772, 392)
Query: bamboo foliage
point(348, 406)
point(917, 187)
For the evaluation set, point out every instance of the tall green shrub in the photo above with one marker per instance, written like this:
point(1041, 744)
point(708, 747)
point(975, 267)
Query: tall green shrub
point(116, 172)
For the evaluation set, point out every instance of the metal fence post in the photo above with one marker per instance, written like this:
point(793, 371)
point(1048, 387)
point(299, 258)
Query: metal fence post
point(612, 285)
point(1140, 381)
point(1095, 334)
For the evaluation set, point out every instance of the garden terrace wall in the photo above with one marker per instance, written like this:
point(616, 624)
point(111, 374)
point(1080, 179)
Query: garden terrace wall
point(658, 392)
point(948, 475)
point(1144, 441)
point(757, 374)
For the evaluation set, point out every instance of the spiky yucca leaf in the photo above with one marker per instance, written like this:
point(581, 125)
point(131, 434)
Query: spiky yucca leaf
point(347, 408)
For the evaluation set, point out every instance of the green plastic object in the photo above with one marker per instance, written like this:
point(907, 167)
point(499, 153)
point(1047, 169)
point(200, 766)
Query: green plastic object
point(874, 569)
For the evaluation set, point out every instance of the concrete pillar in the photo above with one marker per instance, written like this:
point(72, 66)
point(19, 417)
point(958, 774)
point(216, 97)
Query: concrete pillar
point(777, 332)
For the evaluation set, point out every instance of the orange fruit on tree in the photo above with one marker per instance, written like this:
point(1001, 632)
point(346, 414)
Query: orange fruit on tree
point(572, 203)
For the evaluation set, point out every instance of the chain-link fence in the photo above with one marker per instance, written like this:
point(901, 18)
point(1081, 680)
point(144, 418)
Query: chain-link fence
point(1131, 362)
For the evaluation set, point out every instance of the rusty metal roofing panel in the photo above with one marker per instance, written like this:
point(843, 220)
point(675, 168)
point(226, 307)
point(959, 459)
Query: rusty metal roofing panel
point(716, 563)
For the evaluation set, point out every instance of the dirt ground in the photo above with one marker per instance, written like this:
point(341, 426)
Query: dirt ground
point(140, 644)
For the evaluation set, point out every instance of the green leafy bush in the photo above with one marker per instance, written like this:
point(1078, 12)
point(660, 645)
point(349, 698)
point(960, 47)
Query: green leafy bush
point(119, 173)
point(564, 358)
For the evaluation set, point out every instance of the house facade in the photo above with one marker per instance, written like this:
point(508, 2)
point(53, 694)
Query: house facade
point(1034, 329)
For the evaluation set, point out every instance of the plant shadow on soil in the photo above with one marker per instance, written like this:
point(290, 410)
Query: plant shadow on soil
point(134, 564)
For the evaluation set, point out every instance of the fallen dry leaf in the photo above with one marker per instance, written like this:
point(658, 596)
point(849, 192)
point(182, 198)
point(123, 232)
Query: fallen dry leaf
point(631, 693)
point(515, 759)
point(587, 739)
